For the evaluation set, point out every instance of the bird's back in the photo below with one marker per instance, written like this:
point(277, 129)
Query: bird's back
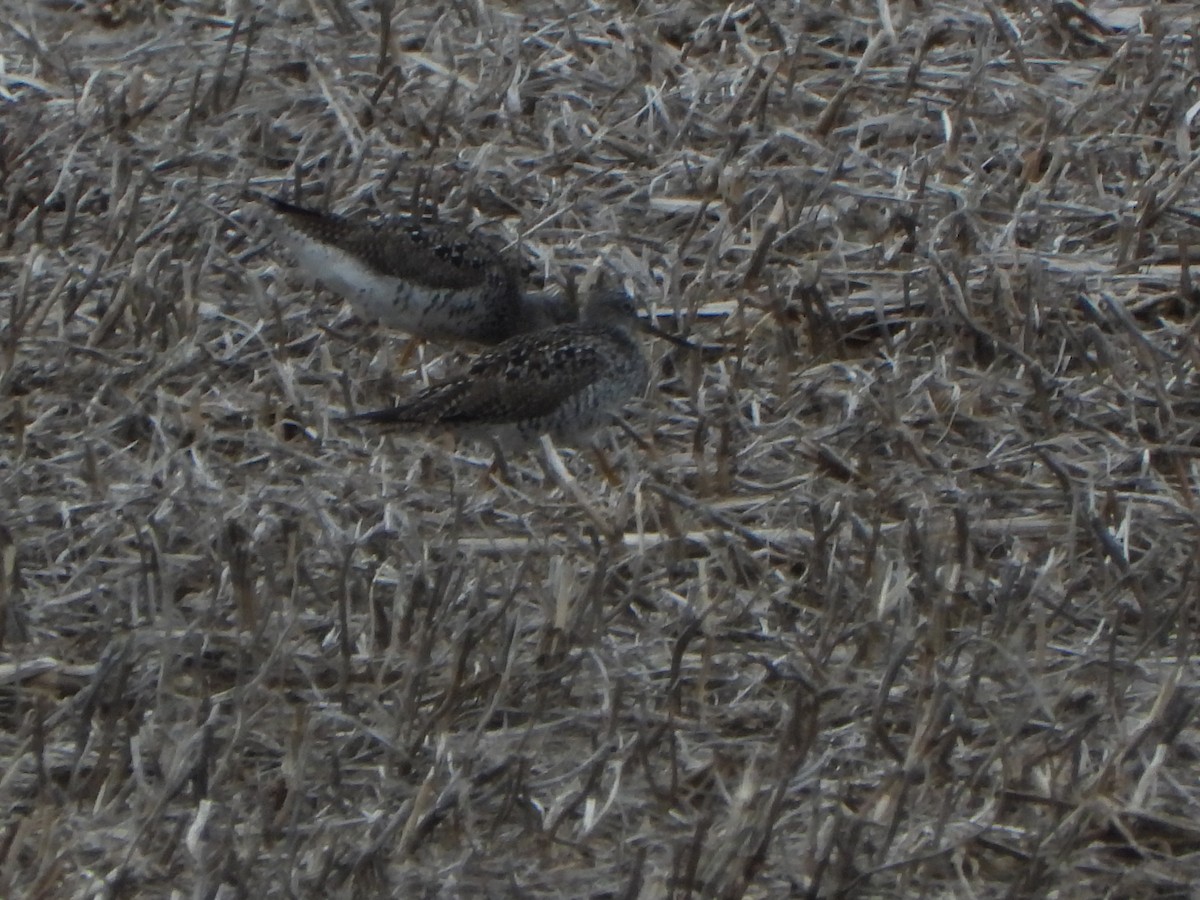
point(428, 278)
point(562, 380)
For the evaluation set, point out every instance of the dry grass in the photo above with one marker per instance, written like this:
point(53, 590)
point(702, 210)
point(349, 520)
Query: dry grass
point(897, 599)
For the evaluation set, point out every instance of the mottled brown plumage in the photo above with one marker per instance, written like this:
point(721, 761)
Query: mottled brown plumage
point(563, 381)
point(427, 278)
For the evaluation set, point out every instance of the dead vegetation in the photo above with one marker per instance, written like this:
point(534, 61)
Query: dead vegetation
point(896, 596)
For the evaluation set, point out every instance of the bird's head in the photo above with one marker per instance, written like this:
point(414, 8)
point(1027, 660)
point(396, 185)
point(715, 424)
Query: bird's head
point(615, 307)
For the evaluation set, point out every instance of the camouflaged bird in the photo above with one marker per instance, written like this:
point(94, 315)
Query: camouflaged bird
point(563, 381)
point(427, 278)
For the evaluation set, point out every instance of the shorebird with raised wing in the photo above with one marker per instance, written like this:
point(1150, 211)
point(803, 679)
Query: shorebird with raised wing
point(427, 278)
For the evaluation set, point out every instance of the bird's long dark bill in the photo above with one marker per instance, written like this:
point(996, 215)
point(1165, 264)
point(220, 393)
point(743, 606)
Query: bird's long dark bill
point(667, 336)
point(385, 415)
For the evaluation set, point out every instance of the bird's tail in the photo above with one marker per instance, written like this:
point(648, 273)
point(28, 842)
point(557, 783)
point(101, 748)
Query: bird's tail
point(431, 406)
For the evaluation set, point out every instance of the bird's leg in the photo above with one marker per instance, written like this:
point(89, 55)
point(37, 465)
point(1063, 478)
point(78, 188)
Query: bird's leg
point(410, 347)
point(498, 470)
point(605, 467)
point(558, 473)
point(633, 435)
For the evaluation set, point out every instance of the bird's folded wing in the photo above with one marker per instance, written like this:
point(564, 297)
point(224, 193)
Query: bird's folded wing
point(421, 251)
point(525, 378)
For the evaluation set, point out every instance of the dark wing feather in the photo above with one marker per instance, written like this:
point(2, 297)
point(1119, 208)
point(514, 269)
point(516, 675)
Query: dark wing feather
point(526, 377)
point(425, 252)
point(426, 408)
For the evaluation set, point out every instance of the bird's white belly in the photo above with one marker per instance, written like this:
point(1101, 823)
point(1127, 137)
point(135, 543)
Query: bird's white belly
point(416, 308)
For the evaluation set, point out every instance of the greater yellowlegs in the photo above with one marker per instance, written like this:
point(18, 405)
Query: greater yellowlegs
point(563, 381)
point(427, 278)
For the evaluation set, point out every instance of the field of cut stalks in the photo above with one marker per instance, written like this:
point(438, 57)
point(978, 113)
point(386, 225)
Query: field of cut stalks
point(895, 593)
